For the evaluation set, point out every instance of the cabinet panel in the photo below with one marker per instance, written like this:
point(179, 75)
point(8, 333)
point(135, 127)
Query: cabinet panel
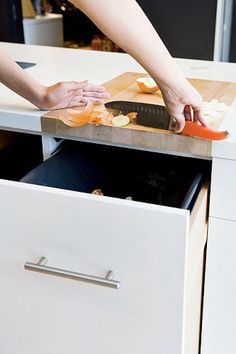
point(223, 192)
point(144, 245)
point(219, 315)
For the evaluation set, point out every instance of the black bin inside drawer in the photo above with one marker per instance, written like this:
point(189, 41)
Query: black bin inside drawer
point(19, 154)
point(123, 173)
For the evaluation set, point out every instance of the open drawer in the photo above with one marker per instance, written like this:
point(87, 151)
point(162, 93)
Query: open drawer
point(156, 254)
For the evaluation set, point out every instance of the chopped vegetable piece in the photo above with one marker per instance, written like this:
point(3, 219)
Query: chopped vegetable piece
point(68, 122)
point(194, 129)
point(107, 119)
point(132, 116)
point(80, 117)
point(101, 117)
point(159, 93)
point(213, 108)
point(97, 192)
point(147, 84)
point(120, 121)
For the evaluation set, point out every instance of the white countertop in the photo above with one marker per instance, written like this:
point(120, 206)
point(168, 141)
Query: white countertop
point(59, 64)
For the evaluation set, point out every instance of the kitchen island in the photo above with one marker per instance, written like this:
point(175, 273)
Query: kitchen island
point(172, 311)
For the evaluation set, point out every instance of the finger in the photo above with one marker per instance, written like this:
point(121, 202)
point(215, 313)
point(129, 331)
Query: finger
point(188, 112)
point(92, 87)
point(180, 122)
point(73, 85)
point(199, 117)
point(92, 99)
point(198, 113)
point(73, 100)
point(77, 92)
point(101, 95)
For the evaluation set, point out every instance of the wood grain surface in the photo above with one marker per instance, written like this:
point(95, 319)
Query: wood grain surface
point(124, 87)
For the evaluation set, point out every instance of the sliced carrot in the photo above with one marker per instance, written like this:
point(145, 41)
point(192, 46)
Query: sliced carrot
point(196, 130)
point(80, 117)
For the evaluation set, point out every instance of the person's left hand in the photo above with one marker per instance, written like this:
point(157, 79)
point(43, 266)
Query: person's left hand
point(70, 94)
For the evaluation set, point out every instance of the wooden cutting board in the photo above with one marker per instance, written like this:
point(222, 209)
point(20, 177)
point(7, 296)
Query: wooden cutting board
point(124, 87)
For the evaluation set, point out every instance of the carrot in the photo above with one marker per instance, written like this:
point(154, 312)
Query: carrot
point(194, 129)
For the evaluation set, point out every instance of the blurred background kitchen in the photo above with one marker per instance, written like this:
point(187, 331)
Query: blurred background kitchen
point(196, 29)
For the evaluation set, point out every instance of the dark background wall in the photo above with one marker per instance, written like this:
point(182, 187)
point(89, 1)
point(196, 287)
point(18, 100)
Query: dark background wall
point(233, 40)
point(187, 27)
point(11, 26)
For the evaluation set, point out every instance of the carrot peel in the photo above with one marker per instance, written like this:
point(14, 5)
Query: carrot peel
point(199, 131)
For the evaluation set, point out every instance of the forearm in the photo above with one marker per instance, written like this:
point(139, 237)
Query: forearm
point(19, 80)
point(127, 25)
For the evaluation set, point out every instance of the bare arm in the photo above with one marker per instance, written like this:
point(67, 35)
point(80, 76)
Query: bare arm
point(127, 25)
point(19, 80)
point(60, 95)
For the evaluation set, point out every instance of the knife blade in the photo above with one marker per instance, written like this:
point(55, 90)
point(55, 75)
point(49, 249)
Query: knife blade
point(150, 115)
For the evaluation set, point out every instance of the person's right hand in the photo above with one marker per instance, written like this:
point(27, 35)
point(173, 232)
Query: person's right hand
point(70, 94)
point(183, 102)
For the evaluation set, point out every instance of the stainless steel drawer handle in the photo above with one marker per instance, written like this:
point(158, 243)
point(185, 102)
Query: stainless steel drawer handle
point(42, 268)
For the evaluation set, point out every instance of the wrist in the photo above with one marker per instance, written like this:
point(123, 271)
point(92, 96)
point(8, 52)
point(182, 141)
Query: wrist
point(40, 97)
point(171, 77)
point(179, 89)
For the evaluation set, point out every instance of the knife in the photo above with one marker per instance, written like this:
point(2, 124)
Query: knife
point(150, 115)
point(156, 116)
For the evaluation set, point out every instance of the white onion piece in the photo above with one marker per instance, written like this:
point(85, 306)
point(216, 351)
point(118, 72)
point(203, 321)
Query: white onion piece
point(213, 107)
point(120, 121)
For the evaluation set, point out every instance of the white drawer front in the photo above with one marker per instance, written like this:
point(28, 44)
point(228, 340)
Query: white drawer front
point(223, 189)
point(219, 317)
point(144, 245)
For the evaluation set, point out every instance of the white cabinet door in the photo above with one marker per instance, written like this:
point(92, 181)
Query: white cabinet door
point(223, 191)
point(219, 315)
point(145, 245)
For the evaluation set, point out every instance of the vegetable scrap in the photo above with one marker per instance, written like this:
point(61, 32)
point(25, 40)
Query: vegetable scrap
point(132, 116)
point(213, 108)
point(100, 117)
point(147, 84)
point(120, 120)
point(97, 192)
point(80, 117)
point(77, 118)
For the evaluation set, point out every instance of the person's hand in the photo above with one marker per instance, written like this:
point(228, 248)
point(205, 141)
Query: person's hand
point(183, 103)
point(70, 94)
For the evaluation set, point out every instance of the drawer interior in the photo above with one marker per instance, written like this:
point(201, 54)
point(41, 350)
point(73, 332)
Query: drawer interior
point(19, 153)
point(123, 173)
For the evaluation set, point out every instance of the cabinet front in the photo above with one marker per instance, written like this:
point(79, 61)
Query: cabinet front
point(219, 312)
point(140, 310)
